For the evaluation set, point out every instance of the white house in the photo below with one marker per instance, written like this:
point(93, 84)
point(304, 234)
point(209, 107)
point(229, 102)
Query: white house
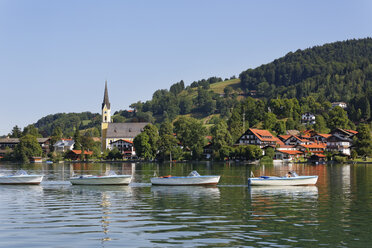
point(308, 119)
point(340, 104)
point(64, 145)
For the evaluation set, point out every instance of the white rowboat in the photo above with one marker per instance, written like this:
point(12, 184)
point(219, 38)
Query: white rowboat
point(282, 181)
point(111, 179)
point(193, 179)
point(21, 177)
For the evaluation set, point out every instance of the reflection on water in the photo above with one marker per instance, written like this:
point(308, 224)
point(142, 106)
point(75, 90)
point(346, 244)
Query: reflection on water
point(186, 191)
point(336, 212)
point(290, 191)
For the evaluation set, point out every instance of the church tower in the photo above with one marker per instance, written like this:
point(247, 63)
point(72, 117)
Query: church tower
point(106, 118)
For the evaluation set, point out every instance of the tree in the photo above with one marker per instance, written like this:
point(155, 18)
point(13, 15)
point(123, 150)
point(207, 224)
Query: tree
point(16, 132)
point(146, 143)
point(56, 135)
point(279, 127)
point(31, 129)
point(77, 139)
point(320, 124)
point(142, 146)
point(191, 134)
point(235, 124)
point(269, 121)
point(270, 152)
point(168, 144)
point(290, 124)
point(221, 138)
point(28, 147)
point(363, 140)
point(338, 118)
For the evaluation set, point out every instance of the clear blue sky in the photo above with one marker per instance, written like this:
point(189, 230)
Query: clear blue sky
point(56, 55)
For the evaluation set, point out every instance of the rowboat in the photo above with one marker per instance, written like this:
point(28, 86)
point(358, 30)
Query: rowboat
point(21, 177)
point(293, 180)
point(192, 179)
point(110, 178)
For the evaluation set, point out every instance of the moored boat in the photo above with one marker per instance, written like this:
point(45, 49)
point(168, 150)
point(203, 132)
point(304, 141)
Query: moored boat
point(192, 179)
point(110, 179)
point(21, 177)
point(292, 180)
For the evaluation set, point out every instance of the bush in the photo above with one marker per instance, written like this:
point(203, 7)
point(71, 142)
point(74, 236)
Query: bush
point(340, 159)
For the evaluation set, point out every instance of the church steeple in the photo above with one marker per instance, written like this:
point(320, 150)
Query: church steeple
point(106, 98)
point(106, 109)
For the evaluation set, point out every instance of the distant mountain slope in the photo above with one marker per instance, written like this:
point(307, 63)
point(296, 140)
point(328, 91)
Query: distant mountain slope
point(337, 71)
point(67, 122)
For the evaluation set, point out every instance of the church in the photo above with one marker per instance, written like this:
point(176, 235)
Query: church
point(120, 135)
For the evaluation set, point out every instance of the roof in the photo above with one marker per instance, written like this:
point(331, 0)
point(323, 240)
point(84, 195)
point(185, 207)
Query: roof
point(125, 130)
point(128, 141)
point(284, 136)
point(347, 132)
point(352, 131)
point(298, 138)
point(293, 132)
point(106, 98)
point(315, 145)
point(319, 155)
point(42, 140)
point(64, 142)
point(78, 152)
point(263, 135)
point(324, 135)
point(9, 140)
point(290, 152)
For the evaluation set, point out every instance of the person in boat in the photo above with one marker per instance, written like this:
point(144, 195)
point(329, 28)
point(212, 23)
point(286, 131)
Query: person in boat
point(289, 174)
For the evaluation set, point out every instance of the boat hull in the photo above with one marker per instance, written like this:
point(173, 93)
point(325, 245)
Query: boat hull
point(103, 180)
point(183, 181)
point(282, 181)
point(22, 179)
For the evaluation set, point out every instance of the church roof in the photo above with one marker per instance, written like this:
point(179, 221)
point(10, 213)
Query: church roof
point(106, 98)
point(125, 130)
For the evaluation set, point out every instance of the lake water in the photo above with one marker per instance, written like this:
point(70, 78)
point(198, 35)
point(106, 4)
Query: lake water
point(337, 212)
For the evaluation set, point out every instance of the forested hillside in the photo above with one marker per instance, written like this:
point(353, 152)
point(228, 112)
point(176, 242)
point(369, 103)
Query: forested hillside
point(68, 122)
point(301, 81)
point(340, 71)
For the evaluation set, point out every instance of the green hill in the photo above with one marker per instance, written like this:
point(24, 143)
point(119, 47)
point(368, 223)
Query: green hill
point(339, 71)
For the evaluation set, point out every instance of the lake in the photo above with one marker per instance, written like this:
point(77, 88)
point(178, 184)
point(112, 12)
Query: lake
point(337, 212)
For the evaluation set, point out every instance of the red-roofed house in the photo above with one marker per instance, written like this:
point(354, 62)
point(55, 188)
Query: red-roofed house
point(258, 137)
point(124, 146)
point(287, 154)
point(76, 154)
point(312, 148)
point(296, 140)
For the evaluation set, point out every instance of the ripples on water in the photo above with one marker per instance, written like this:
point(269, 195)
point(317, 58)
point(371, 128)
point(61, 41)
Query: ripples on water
point(56, 214)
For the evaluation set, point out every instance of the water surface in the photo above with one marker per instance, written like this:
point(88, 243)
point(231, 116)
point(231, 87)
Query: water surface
point(337, 212)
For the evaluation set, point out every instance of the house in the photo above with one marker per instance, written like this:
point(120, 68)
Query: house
point(8, 144)
point(45, 144)
point(308, 119)
point(258, 137)
point(36, 160)
point(64, 145)
point(343, 133)
point(312, 148)
point(208, 151)
point(295, 140)
point(124, 146)
point(320, 137)
point(339, 144)
point(76, 154)
point(339, 104)
point(287, 154)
